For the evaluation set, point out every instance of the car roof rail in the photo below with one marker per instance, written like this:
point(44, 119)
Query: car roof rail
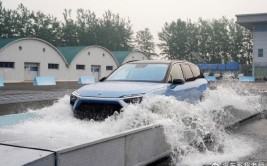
point(132, 61)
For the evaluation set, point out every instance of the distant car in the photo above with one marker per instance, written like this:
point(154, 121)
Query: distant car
point(132, 81)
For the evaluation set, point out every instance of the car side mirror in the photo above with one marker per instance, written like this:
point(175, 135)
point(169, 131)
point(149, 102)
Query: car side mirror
point(178, 81)
point(102, 79)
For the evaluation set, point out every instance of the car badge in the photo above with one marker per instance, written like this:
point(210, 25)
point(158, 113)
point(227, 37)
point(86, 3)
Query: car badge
point(99, 93)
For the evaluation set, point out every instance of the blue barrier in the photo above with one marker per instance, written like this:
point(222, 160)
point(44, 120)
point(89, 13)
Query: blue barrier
point(213, 66)
point(1, 81)
point(210, 78)
point(246, 78)
point(8, 120)
point(86, 80)
point(204, 67)
point(232, 66)
point(44, 80)
point(221, 66)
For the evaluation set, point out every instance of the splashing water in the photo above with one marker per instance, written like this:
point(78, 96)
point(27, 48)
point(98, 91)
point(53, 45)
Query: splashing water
point(193, 130)
point(196, 131)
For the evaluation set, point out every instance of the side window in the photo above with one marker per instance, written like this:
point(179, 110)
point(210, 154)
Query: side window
point(176, 73)
point(260, 52)
point(187, 73)
point(196, 71)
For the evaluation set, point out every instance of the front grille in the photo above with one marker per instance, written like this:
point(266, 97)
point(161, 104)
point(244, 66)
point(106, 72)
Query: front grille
point(97, 111)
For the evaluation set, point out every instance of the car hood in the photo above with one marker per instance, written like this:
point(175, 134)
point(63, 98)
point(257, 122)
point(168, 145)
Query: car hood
point(116, 89)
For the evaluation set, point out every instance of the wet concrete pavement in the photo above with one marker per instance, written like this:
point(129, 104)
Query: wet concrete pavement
point(19, 97)
point(256, 130)
point(24, 87)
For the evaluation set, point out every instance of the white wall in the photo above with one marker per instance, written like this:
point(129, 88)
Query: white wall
point(135, 56)
point(260, 42)
point(95, 58)
point(32, 52)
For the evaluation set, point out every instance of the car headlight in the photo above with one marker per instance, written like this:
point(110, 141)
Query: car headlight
point(73, 97)
point(133, 99)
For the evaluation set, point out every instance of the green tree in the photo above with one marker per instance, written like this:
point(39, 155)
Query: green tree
point(144, 41)
point(24, 21)
point(110, 31)
point(47, 28)
point(240, 43)
point(192, 40)
point(8, 23)
point(2, 21)
point(204, 38)
point(69, 34)
point(87, 26)
point(174, 40)
point(114, 32)
point(220, 41)
point(216, 41)
point(248, 47)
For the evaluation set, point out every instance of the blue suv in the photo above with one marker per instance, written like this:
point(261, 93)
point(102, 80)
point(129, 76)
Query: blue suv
point(132, 81)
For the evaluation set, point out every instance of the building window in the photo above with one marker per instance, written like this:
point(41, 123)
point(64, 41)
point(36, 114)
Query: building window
point(109, 67)
point(95, 68)
point(53, 66)
point(260, 52)
point(80, 67)
point(32, 68)
point(7, 64)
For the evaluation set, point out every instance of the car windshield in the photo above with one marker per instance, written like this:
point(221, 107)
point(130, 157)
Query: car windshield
point(140, 72)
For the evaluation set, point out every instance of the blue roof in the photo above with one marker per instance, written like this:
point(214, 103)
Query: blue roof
point(70, 52)
point(4, 42)
point(120, 55)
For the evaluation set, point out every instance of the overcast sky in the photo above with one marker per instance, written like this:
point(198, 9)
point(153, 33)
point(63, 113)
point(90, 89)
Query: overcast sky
point(148, 13)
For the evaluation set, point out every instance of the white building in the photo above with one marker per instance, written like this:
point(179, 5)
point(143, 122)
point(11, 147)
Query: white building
point(24, 59)
point(257, 23)
point(84, 61)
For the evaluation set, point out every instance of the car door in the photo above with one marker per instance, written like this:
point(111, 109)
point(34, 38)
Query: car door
point(200, 80)
point(195, 81)
point(179, 91)
point(191, 83)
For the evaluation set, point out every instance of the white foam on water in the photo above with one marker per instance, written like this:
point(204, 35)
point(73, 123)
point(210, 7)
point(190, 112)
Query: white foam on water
point(187, 126)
